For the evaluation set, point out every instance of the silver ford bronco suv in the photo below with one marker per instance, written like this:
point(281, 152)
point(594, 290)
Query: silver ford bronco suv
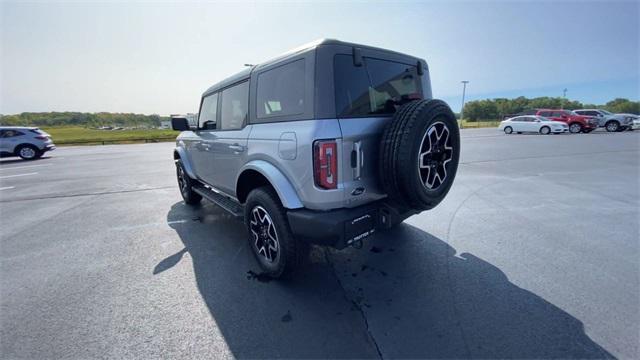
point(324, 145)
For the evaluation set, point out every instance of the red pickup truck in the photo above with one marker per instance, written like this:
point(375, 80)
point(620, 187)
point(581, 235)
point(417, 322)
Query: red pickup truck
point(577, 123)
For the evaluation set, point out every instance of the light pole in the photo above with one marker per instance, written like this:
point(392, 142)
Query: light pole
point(464, 89)
point(564, 97)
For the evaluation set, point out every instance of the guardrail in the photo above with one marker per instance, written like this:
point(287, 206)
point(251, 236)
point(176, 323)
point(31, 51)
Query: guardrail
point(114, 141)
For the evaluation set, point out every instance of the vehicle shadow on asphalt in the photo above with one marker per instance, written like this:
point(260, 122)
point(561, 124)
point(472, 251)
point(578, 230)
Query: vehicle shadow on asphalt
point(420, 299)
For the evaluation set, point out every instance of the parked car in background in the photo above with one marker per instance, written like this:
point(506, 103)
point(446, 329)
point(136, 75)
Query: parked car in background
point(577, 123)
point(532, 123)
point(610, 121)
point(28, 143)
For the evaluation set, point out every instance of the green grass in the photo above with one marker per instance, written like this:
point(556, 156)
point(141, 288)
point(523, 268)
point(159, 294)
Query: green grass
point(64, 135)
point(466, 124)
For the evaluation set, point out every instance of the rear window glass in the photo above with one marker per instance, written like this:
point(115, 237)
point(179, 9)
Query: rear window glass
point(376, 88)
point(281, 90)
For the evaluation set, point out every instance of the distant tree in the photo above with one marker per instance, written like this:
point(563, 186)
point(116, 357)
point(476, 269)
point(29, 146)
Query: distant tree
point(81, 119)
point(621, 105)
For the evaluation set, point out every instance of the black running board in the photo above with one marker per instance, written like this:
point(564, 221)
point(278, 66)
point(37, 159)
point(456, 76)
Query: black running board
point(224, 202)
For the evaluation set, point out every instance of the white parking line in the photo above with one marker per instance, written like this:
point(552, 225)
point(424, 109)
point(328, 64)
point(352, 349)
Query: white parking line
point(10, 176)
point(21, 167)
point(6, 188)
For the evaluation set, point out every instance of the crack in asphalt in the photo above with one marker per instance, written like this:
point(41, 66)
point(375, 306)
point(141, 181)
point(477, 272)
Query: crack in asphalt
point(353, 302)
point(59, 196)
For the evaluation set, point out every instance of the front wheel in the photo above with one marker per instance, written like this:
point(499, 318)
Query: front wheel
point(270, 237)
point(185, 183)
point(508, 130)
point(575, 128)
point(545, 130)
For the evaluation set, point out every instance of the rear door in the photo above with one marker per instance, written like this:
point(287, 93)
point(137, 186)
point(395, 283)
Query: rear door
point(10, 139)
point(228, 142)
point(517, 124)
point(366, 97)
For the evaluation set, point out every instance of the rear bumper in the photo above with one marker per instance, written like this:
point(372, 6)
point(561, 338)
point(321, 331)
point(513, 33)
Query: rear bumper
point(340, 228)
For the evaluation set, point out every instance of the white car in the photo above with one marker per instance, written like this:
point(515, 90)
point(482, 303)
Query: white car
point(532, 123)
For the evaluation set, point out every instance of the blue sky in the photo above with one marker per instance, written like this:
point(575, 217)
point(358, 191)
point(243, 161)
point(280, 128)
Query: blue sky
point(158, 57)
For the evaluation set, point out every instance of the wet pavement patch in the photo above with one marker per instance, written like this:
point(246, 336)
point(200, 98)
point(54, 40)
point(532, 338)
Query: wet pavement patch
point(262, 277)
point(287, 317)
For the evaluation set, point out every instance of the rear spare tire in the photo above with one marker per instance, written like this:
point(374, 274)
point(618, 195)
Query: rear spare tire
point(419, 154)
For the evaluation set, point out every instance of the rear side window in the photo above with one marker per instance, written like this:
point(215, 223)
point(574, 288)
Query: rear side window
point(281, 90)
point(375, 88)
point(208, 112)
point(10, 133)
point(235, 103)
point(545, 113)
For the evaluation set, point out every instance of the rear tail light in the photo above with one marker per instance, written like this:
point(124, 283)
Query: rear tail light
point(42, 137)
point(325, 164)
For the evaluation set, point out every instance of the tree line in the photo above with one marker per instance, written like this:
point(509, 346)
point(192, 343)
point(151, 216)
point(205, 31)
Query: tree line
point(82, 119)
point(491, 109)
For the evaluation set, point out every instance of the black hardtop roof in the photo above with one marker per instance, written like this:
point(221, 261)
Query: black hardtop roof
point(291, 53)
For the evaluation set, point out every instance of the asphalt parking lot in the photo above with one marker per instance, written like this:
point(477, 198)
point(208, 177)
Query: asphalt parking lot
point(534, 254)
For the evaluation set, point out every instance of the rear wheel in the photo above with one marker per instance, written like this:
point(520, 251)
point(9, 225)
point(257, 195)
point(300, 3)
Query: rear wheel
point(270, 237)
point(508, 130)
point(28, 152)
point(612, 126)
point(185, 184)
point(419, 154)
point(575, 128)
point(545, 130)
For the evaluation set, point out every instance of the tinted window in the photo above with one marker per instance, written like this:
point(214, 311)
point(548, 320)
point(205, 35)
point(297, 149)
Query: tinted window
point(281, 90)
point(235, 102)
point(208, 112)
point(545, 113)
point(10, 133)
point(557, 113)
point(377, 87)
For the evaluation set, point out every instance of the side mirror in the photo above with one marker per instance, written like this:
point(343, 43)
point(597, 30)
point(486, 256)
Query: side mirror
point(180, 124)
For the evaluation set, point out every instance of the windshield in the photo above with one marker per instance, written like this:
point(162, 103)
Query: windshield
point(605, 112)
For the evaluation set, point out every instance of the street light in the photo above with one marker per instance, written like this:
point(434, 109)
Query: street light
point(464, 89)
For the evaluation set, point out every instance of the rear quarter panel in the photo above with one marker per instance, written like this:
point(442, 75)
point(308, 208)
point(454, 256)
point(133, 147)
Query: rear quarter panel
point(267, 140)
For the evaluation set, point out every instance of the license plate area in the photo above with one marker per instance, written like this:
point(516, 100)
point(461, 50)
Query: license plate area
point(359, 227)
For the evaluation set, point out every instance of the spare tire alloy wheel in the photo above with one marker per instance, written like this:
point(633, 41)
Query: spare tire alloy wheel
point(435, 153)
point(419, 154)
point(265, 236)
